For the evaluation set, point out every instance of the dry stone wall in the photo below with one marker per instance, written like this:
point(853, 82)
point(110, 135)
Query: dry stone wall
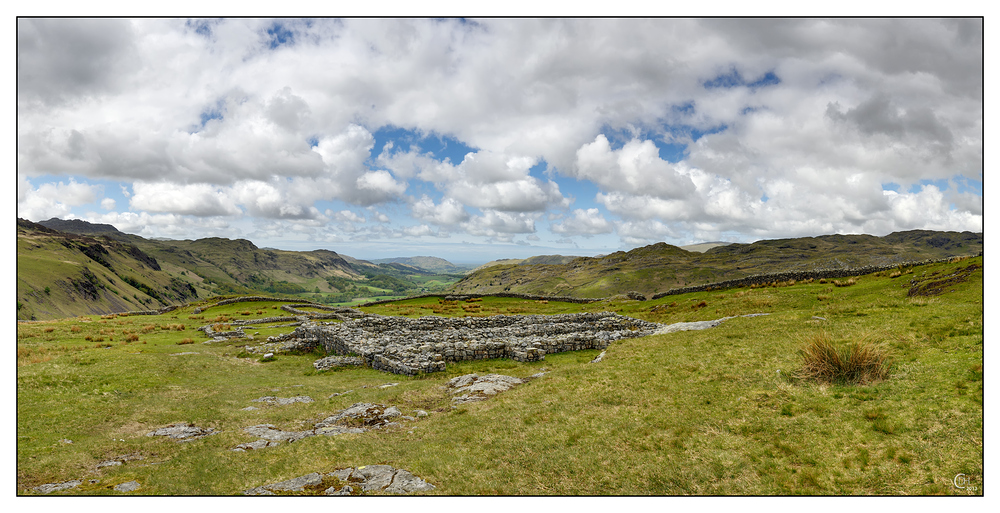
point(409, 346)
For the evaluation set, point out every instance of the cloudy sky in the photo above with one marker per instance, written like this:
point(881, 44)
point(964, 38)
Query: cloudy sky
point(481, 139)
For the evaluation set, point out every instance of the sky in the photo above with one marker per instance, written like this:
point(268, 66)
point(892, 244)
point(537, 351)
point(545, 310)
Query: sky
point(479, 139)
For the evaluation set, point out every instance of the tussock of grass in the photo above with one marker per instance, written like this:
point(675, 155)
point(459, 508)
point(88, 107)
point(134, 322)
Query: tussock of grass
point(860, 362)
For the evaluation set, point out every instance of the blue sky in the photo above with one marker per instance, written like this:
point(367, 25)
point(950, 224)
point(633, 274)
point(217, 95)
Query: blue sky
point(498, 138)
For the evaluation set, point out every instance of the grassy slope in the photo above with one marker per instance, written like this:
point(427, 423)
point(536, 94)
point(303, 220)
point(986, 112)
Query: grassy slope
point(686, 413)
point(55, 261)
point(660, 267)
point(239, 261)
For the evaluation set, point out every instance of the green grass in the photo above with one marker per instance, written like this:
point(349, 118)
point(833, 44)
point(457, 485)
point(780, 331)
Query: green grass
point(702, 412)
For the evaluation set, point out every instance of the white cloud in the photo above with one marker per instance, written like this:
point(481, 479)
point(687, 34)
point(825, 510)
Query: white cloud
point(447, 213)
point(52, 199)
point(346, 216)
point(196, 199)
point(499, 226)
point(634, 168)
point(380, 186)
point(584, 222)
point(813, 114)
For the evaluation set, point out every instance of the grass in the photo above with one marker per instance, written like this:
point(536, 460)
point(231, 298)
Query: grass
point(859, 362)
point(714, 412)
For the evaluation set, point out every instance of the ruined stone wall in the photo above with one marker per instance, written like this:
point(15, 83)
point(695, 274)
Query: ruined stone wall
point(409, 346)
point(464, 297)
point(243, 300)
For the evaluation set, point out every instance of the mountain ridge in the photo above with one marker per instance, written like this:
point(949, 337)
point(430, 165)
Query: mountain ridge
point(85, 265)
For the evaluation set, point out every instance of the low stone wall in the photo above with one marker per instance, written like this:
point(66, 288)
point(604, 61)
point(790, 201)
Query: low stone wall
point(409, 346)
point(465, 297)
point(236, 333)
point(341, 313)
point(263, 320)
point(161, 311)
point(245, 299)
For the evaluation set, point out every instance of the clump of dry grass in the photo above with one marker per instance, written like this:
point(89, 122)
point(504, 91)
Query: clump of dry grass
point(861, 362)
point(848, 283)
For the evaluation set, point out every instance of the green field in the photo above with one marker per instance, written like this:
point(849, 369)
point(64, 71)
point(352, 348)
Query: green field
point(714, 412)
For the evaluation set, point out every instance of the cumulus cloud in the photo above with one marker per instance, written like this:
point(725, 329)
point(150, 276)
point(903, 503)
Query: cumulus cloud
point(52, 199)
point(584, 222)
point(200, 200)
point(447, 213)
point(60, 61)
point(634, 168)
point(683, 128)
point(499, 226)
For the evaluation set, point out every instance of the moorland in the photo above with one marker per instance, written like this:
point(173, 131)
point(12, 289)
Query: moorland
point(730, 410)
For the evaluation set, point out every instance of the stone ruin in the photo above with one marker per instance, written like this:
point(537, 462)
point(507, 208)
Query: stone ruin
point(408, 346)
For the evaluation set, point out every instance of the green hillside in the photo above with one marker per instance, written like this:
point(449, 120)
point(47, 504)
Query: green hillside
point(216, 266)
point(660, 267)
point(65, 275)
point(721, 411)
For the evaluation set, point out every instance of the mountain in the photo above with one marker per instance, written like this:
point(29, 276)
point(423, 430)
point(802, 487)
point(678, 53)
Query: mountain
point(83, 269)
point(80, 226)
point(660, 267)
point(64, 274)
point(211, 266)
point(535, 260)
point(427, 263)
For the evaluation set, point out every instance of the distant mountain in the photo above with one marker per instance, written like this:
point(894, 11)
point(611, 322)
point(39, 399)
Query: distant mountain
point(427, 263)
point(79, 226)
point(660, 267)
point(535, 260)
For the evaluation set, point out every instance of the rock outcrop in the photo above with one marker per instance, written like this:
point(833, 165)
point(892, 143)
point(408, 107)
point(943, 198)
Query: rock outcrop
point(183, 432)
point(350, 481)
point(474, 387)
